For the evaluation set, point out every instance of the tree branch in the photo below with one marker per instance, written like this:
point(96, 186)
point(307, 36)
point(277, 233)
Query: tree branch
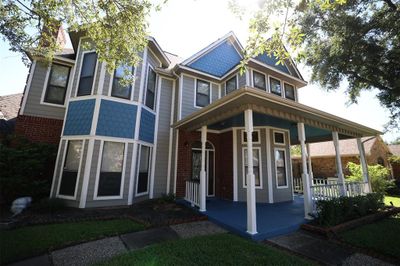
point(390, 4)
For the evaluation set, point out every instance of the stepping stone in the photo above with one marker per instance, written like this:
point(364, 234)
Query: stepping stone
point(201, 228)
point(145, 238)
point(88, 253)
point(39, 261)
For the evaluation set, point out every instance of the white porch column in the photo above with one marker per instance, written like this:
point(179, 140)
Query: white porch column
point(251, 188)
point(310, 172)
point(363, 163)
point(305, 177)
point(203, 169)
point(339, 167)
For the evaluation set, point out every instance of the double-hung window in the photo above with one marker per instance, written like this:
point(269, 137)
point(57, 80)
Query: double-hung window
point(71, 167)
point(231, 84)
point(119, 90)
point(86, 78)
point(110, 179)
point(256, 166)
point(202, 93)
point(289, 92)
point(144, 170)
point(275, 86)
point(151, 88)
point(57, 84)
point(280, 166)
point(259, 81)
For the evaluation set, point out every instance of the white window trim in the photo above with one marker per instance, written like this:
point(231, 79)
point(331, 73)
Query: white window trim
point(254, 142)
point(45, 86)
point(294, 91)
point(286, 168)
point(284, 137)
point(58, 195)
point(195, 93)
point(137, 170)
point(145, 89)
point(259, 166)
point(99, 161)
point(237, 82)
point(266, 79)
point(80, 71)
point(132, 84)
point(280, 82)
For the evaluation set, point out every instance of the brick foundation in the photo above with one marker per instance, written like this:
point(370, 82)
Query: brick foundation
point(39, 129)
point(223, 162)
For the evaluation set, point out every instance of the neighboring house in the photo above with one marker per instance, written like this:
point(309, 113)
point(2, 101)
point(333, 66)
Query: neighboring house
point(323, 156)
point(395, 150)
point(9, 107)
point(183, 126)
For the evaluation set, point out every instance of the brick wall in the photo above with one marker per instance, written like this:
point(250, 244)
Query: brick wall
point(39, 129)
point(223, 162)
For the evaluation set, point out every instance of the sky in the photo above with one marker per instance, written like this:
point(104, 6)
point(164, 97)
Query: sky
point(184, 27)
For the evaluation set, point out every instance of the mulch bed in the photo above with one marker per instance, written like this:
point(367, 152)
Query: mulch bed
point(151, 213)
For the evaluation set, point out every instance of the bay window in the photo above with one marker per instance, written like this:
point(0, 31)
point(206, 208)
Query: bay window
point(231, 85)
point(144, 170)
point(259, 81)
point(275, 86)
point(280, 167)
point(150, 96)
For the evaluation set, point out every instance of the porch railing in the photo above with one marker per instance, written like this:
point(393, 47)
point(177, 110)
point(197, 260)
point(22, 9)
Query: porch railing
point(192, 194)
point(298, 183)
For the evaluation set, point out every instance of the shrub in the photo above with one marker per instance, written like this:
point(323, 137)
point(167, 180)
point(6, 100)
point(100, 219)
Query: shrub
point(378, 175)
point(48, 205)
point(26, 169)
point(339, 210)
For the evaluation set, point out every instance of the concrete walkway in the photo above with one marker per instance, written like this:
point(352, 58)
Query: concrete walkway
point(323, 251)
point(96, 251)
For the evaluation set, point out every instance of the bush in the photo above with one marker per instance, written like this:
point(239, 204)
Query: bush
point(340, 210)
point(378, 175)
point(48, 205)
point(26, 169)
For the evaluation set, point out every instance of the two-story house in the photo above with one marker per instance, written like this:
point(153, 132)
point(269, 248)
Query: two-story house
point(198, 127)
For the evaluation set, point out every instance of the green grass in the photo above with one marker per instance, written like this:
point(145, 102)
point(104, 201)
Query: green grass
point(381, 237)
point(221, 249)
point(395, 200)
point(29, 241)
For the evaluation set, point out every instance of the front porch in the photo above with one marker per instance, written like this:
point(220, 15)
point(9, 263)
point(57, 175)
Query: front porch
point(272, 219)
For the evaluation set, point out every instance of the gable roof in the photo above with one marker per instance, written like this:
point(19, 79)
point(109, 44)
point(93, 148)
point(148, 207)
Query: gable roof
point(9, 106)
point(394, 149)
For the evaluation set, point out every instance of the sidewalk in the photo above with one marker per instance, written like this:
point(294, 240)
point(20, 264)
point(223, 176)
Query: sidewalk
point(322, 251)
point(96, 251)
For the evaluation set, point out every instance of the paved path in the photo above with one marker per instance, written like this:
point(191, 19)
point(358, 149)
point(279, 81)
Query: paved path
point(323, 251)
point(96, 251)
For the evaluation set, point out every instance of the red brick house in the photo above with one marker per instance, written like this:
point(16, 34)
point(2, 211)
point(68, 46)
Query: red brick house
point(323, 156)
point(395, 150)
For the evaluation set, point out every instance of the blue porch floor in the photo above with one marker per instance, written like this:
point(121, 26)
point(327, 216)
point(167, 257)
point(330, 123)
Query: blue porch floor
point(272, 219)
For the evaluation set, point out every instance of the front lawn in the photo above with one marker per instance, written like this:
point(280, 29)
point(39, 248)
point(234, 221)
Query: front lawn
point(381, 237)
point(29, 241)
point(394, 200)
point(221, 249)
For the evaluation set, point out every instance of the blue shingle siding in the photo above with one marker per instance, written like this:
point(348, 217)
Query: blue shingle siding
point(79, 117)
point(218, 61)
point(116, 119)
point(147, 125)
point(271, 61)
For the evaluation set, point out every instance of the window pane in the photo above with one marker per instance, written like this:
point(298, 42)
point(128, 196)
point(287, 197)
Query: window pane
point(55, 95)
point(202, 100)
point(59, 75)
point(279, 138)
point(203, 87)
point(256, 166)
point(231, 85)
point(275, 85)
point(71, 166)
point(196, 164)
point(280, 167)
point(254, 135)
point(150, 99)
point(289, 92)
point(87, 74)
point(144, 169)
point(259, 80)
point(151, 88)
point(118, 90)
point(111, 169)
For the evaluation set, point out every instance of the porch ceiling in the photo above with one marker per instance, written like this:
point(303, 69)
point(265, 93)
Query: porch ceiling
point(273, 107)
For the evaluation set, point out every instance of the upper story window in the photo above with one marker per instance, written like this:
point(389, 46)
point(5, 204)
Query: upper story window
point(202, 93)
point(289, 92)
point(259, 80)
point(150, 96)
point(87, 74)
point(231, 84)
point(119, 90)
point(275, 86)
point(57, 84)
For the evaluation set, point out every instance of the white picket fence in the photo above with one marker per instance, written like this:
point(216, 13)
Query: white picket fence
point(192, 194)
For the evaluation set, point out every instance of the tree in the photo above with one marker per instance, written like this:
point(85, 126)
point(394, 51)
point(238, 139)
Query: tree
point(116, 27)
point(357, 41)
